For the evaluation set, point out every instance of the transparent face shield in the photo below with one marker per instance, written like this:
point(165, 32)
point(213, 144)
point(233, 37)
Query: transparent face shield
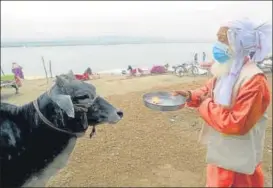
point(231, 39)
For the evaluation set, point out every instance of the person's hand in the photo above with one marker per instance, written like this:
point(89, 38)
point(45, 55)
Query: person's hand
point(204, 97)
point(185, 94)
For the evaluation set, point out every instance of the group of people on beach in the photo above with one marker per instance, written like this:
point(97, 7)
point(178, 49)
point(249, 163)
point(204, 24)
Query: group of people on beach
point(17, 70)
point(156, 69)
point(195, 58)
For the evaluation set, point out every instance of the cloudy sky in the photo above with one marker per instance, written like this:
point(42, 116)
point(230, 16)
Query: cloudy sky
point(175, 19)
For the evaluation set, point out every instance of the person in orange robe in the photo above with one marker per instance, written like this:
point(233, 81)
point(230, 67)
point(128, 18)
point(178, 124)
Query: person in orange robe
point(247, 107)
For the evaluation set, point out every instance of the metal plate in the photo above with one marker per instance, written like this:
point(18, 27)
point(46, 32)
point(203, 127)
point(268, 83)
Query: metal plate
point(167, 102)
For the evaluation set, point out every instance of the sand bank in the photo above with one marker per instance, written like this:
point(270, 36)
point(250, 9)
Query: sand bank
point(146, 148)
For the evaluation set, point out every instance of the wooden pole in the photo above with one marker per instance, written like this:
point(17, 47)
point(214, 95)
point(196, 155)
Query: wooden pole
point(45, 69)
point(50, 70)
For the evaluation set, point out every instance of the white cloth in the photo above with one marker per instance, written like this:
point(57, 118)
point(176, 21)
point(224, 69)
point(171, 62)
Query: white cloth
point(15, 65)
point(244, 37)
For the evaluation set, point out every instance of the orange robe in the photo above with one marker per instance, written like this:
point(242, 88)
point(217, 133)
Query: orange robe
point(252, 100)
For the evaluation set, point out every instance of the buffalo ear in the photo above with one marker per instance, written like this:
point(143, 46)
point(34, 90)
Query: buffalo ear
point(60, 81)
point(70, 75)
point(65, 103)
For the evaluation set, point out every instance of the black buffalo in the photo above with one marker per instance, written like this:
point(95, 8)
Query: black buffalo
point(37, 138)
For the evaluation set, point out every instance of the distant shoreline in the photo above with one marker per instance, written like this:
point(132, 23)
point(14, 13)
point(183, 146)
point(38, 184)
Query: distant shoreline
point(53, 44)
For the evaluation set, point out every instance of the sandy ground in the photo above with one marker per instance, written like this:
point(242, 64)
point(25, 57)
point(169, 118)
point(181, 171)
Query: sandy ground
point(146, 148)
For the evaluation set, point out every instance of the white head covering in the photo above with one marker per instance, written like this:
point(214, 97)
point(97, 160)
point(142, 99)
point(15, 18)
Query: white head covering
point(244, 37)
point(15, 65)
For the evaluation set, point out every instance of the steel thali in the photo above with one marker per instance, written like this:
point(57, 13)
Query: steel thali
point(163, 101)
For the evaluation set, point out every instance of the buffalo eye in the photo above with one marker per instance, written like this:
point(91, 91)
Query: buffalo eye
point(94, 108)
point(81, 97)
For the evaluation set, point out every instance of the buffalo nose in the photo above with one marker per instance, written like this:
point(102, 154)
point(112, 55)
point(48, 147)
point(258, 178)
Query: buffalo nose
point(120, 113)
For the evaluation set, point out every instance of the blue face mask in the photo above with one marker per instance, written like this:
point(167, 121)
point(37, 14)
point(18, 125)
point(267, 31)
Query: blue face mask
point(220, 52)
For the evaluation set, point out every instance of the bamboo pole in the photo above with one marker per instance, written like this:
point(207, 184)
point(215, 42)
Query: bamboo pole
point(45, 69)
point(50, 70)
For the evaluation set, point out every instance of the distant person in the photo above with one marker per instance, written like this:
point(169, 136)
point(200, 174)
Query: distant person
point(88, 71)
point(204, 56)
point(87, 75)
point(17, 70)
point(195, 58)
point(134, 71)
point(130, 68)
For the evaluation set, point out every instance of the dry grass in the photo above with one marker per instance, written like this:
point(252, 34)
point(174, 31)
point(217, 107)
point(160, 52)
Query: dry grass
point(146, 148)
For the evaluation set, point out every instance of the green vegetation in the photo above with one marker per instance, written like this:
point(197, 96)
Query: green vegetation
point(7, 77)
